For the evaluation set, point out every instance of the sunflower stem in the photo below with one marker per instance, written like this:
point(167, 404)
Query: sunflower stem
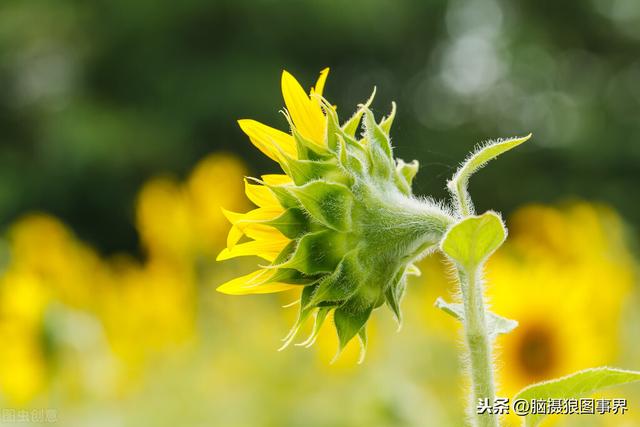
point(479, 346)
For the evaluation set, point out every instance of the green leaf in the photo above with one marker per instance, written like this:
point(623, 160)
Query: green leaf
point(458, 184)
point(495, 324)
point(329, 203)
point(484, 154)
point(574, 386)
point(472, 240)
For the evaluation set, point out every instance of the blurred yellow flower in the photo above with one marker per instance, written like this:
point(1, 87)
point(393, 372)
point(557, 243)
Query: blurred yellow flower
point(43, 246)
point(147, 308)
point(216, 181)
point(564, 275)
point(180, 220)
point(23, 368)
point(47, 263)
point(163, 218)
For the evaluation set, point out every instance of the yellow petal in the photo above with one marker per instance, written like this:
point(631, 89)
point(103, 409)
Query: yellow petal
point(258, 214)
point(253, 283)
point(254, 231)
point(267, 250)
point(249, 225)
point(319, 87)
point(260, 195)
point(276, 179)
point(305, 113)
point(234, 235)
point(266, 138)
point(261, 232)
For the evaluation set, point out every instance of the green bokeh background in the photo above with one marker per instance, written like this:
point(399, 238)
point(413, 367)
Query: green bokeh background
point(97, 96)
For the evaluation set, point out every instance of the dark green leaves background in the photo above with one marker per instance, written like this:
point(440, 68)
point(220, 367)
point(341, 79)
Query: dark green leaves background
point(97, 96)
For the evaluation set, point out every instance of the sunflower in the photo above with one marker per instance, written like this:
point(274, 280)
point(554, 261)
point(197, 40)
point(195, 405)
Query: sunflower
point(341, 223)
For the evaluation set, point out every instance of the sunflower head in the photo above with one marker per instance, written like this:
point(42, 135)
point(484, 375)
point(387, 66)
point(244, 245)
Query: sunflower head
point(341, 224)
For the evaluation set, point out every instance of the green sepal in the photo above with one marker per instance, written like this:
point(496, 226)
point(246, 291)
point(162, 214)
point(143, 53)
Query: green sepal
point(318, 252)
point(285, 253)
point(349, 319)
point(350, 152)
point(362, 335)
point(306, 295)
point(303, 315)
point(350, 127)
point(378, 148)
point(385, 124)
point(358, 152)
point(342, 283)
point(407, 170)
point(321, 316)
point(495, 324)
point(309, 150)
point(348, 161)
point(332, 130)
point(380, 165)
point(303, 171)
point(402, 184)
point(375, 134)
point(292, 223)
point(305, 148)
point(472, 240)
point(281, 193)
point(328, 203)
point(294, 277)
point(394, 293)
point(285, 275)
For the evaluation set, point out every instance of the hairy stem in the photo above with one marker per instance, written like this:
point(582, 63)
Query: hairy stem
point(479, 344)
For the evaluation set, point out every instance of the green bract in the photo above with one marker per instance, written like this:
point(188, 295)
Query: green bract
point(357, 227)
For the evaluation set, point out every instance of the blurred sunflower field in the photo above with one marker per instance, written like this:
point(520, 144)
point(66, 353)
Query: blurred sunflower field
point(119, 150)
